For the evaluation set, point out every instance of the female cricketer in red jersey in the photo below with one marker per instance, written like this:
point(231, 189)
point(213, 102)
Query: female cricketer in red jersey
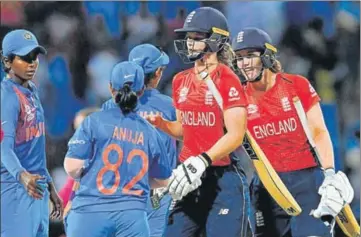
point(219, 207)
point(273, 122)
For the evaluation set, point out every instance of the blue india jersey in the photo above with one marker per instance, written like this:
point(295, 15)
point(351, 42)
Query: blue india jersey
point(121, 153)
point(153, 102)
point(22, 121)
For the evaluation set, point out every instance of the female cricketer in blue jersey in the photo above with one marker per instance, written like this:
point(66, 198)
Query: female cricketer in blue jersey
point(151, 102)
point(153, 61)
point(116, 156)
point(25, 181)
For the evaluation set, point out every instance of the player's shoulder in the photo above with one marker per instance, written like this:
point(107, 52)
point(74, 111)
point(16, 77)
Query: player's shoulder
point(226, 74)
point(182, 75)
point(102, 114)
point(224, 69)
point(6, 85)
point(8, 90)
point(143, 124)
point(108, 104)
point(167, 100)
point(293, 78)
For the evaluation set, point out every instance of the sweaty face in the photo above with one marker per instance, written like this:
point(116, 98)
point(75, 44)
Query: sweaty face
point(25, 66)
point(195, 43)
point(249, 63)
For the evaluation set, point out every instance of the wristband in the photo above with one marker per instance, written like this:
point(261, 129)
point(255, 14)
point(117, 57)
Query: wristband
point(205, 157)
point(329, 171)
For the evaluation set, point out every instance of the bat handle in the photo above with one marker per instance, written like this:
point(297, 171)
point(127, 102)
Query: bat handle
point(165, 192)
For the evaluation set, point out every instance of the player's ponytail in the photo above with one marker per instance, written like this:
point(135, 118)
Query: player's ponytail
point(277, 67)
point(226, 55)
point(126, 99)
point(4, 59)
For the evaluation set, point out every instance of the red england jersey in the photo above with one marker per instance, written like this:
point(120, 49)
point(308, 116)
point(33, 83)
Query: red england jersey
point(272, 120)
point(201, 116)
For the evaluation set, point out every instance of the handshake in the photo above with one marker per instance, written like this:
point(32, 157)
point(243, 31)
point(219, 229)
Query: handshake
point(336, 192)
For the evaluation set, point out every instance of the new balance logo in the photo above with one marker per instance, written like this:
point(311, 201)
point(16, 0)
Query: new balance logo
point(291, 210)
point(192, 169)
point(342, 217)
point(223, 211)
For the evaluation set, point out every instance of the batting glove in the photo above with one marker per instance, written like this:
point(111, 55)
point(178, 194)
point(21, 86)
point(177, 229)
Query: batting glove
point(341, 184)
point(186, 177)
point(330, 205)
point(336, 192)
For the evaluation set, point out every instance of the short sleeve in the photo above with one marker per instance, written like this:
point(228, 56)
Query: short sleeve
point(175, 93)
point(231, 90)
point(306, 93)
point(10, 109)
point(160, 167)
point(173, 113)
point(80, 145)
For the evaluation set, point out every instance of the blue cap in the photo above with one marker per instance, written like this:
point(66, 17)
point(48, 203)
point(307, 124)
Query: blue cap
point(149, 57)
point(251, 38)
point(20, 42)
point(126, 72)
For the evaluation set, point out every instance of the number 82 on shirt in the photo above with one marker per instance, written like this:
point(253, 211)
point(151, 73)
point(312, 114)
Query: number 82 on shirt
point(114, 167)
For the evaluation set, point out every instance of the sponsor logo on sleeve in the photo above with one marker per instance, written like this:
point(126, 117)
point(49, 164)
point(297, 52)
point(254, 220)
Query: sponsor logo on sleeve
point(76, 141)
point(233, 94)
point(312, 90)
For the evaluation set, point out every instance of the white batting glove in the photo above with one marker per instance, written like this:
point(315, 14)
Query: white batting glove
point(336, 192)
point(186, 177)
point(330, 205)
point(341, 183)
point(189, 188)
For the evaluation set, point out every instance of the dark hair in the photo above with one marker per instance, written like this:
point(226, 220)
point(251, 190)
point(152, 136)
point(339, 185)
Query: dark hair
point(148, 77)
point(126, 99)
point(10, 58)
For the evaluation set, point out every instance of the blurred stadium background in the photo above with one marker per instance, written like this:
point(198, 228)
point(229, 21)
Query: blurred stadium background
point(319, 40)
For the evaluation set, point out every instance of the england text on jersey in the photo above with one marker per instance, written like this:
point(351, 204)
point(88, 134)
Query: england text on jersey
point(193, 118)
point(275, 128)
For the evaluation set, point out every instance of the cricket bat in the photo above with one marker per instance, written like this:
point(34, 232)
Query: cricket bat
point(345, 219)
point(268, 176)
